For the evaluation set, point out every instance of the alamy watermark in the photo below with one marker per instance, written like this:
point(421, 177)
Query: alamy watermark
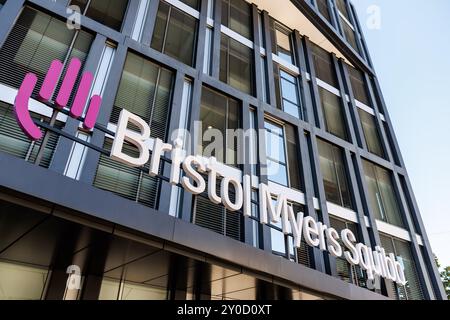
point(373, 21)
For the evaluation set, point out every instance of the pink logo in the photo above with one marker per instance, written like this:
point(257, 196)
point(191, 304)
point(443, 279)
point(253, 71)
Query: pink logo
point(48, 87)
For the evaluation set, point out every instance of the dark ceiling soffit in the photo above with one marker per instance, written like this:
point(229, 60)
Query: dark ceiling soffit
point(338, 41)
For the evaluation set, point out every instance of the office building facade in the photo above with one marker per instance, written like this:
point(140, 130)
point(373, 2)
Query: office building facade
point(78, 224)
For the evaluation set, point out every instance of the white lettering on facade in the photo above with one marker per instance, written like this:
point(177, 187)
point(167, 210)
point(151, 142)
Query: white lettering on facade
point(273, 207)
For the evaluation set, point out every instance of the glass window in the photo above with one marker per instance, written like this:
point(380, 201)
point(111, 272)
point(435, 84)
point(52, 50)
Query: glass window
point(323, 9)
point(333, 113)
point(334, 174)
point(402, 249)
point(145, 90)
point(281, 41)
point(345, 271)
point(108, 12)
point(218, 112)
point(323, 65)
point(127, 182)
point(2, 2)
point(383, 199)
point(287, 92)
point(175, 33)
point(34, 42)
point(216, 218)
point(236, 65)
point(237, 15)
point(282, 157)
point(358, 85)
point(371, 133)
point(350, 35)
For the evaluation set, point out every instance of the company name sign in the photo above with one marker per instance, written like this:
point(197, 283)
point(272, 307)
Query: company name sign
point(315, 234)
point(190, 170)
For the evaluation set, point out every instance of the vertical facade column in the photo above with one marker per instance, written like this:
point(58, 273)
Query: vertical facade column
point(200, 52)
point(320, 120)
point(359, 133)
point(8, 14)
point(271, 94)
point(216, 43)
point(347, 116)
point(149, 25)
point(257, 44)
point(380, 126)
point(308, 108)
point(188, 198)
point(247, 166)
point(109, 96)
point(130, 17)
point(265, 234)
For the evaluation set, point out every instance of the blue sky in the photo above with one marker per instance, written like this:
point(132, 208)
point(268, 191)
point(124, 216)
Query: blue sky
point(411, 57)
